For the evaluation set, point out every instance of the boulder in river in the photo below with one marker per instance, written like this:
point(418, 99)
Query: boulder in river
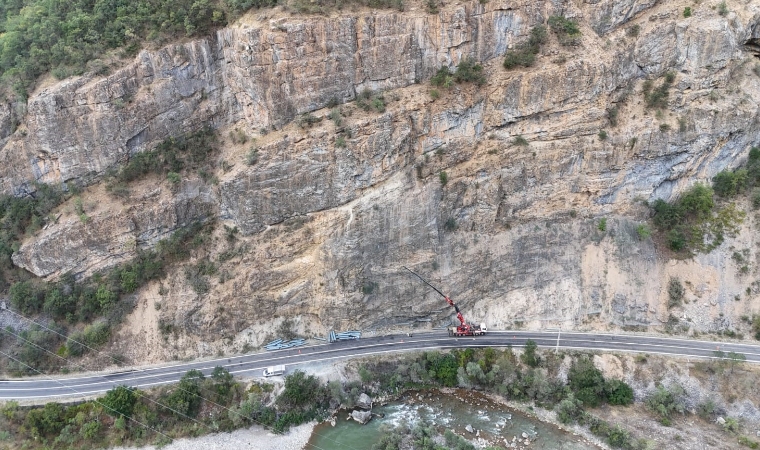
point(469, 428)
point(364, 402)
point(361, 416)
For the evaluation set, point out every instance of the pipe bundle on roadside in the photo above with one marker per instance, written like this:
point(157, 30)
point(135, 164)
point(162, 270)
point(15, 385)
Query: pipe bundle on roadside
point(278, 344)
point(343, 336)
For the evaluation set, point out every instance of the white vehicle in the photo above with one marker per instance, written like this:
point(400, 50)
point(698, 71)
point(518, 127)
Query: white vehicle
point(274, 370)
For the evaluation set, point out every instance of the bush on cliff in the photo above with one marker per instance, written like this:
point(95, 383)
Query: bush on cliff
point(525, 54)
point(468, 71)
point(692, 223)
point(567, 30)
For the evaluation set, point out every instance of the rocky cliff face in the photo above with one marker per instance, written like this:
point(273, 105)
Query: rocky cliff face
point(511, 233)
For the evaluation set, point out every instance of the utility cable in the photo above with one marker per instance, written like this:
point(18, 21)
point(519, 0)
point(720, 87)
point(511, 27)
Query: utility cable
point(95, 401)
point(137, 391)
point(143, 371)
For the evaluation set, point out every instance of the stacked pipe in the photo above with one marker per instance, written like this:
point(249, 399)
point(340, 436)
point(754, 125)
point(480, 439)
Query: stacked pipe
point(278, 344)
point(343, 336)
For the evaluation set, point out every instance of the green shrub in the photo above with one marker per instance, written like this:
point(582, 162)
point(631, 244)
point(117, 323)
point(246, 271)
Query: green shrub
point(643, 231)
point(697, 202)
point(174, 178)
point(723, 8)
point(59, 305)
point(690, 222)
point(378, 104)
point(602, 225)
point(731, 425)
point(90, 430)
point(307, 120)
point(443, 368)
point(747, 442)
point(666, 402)
point(612, 115)
point(223, 383)
point(521, 57)
point(47, 421)
point(370, 101)
point(26, 298)
point(302, 392)
point(587, 383)
point(468, 71)
point(444, 177)
point(618, 392)
point(538, 36)
point(238, 136)
point(675, 293)
point(521, 141)
point(172, 155)
point(335, 116)
point(602, 135)
point(567, 30)
point(529, 356)
point(525, 54)
point(569, 410)
point(252, 157)
point(687, 12)
point(707, 409)
point(730, 183)
point(633, 30)
point(657, 98)
point(120, 401)
point(442, 78)
point(93, 336)
point(618, 437)
point(184, 399)
point(756, 198)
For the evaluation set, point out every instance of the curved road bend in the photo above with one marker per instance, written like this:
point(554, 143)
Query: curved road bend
point(44, 388)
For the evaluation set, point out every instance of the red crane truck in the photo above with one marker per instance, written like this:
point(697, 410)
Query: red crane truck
point(464, 328)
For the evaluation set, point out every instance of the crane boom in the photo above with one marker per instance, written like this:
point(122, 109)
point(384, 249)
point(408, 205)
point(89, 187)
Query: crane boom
point(463, 324)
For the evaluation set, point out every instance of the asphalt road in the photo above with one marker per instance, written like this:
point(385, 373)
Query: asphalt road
point(41, 388)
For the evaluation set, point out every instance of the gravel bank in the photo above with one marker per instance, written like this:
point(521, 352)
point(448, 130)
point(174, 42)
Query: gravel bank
point(254, 438)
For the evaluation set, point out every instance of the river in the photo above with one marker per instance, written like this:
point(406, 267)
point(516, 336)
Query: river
point(498, 425)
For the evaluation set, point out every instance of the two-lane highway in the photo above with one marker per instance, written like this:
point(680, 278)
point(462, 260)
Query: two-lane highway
point(40, 389)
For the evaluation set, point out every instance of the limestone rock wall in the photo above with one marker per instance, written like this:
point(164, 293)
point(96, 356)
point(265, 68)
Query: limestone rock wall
point(512, 233)
point(262, 73)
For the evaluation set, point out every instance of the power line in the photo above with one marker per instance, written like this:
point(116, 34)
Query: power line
point(77, 392)
point(143, 371)
point(136, 391)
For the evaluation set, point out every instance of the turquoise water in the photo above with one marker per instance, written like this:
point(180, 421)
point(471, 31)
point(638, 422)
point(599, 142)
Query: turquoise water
point(447, 411)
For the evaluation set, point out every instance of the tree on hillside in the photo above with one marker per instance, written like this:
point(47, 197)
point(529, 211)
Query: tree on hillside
point(120, 401)
point(529, 356)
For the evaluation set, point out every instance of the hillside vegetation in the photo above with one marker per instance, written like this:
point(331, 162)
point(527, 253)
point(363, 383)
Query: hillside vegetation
point(37, 36)
point(67, 37)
